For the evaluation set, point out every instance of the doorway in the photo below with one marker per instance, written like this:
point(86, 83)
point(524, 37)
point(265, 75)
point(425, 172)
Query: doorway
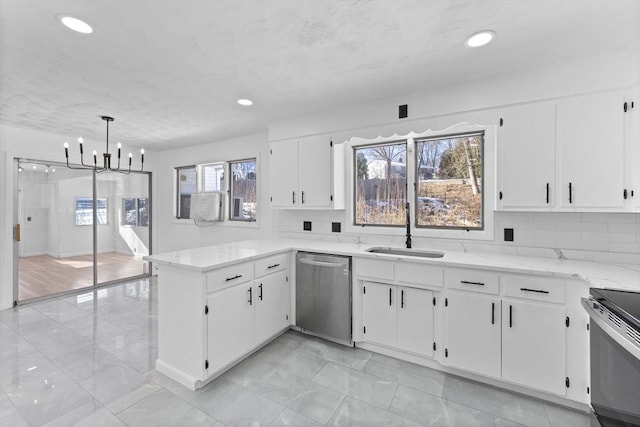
point(78, 228)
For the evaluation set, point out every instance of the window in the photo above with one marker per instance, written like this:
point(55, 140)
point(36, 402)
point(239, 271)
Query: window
point(381, 184)
point(143, 212)
point(243, 193)
point(186, 187)
point(449, 182)
point(213, 177)
point(84, 211)
point(135, 212)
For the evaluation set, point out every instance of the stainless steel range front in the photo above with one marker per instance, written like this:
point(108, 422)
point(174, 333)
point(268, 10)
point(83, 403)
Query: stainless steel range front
point(615, 356)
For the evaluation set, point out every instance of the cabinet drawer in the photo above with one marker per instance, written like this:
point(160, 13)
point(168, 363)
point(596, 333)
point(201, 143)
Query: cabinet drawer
point(373, 268)
point(534, 288)
point(271, 264)
point(472, 280)
point(419, 274)
point(229, 276)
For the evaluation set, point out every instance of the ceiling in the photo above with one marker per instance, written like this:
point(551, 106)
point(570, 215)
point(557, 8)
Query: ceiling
point(170, 71)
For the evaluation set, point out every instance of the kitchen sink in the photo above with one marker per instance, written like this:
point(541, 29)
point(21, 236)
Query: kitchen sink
point(406, 252)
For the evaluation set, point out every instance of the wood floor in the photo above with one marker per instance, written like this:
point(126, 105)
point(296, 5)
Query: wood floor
point(45, 275)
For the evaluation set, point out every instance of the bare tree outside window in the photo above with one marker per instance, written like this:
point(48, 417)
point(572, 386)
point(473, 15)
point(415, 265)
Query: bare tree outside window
point(243, 190)
point(449, 187)
point(381, 184)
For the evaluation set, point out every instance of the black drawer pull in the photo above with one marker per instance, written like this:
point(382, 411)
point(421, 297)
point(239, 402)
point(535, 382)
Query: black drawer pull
point(389, 296)
point(493, 313)
point(228, 279)
point(547, 192)
point(402, 299)
point(250, 296)
point(465, 282)
point(273, 266)
point(570, 191)
point(294, 197)
point(303, 197)
point(511, 316)
point(538, 291)
point(260, 296)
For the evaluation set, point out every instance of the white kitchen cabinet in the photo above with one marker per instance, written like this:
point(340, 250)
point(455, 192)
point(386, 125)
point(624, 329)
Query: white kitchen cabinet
point(526, 141)
point(307, 173)
point(271, 305)
point(534, 345)
point(590, 138)
point(230, 324)
point(472, 333)
point(398, 317)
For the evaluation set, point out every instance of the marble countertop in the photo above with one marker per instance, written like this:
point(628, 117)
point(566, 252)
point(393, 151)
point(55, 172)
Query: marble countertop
point(596, 274)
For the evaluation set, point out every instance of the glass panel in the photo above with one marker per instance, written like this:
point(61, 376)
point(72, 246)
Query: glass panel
point(213, 177)
point(450, 182)
point(381, 184)
point(243, 190)
point(124, 240)
point(54, 254)
point(186, 187)
point(143, 212)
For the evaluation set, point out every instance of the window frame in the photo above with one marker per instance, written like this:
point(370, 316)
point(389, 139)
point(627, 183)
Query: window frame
point(230, 189)
point(176, 213)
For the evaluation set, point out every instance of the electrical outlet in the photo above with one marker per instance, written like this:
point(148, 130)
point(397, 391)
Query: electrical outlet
point(508, 234)
point(403, 111)
point(335, 227)
point(306, 225)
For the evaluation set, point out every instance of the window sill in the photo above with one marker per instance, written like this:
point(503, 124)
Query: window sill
point(225, 224)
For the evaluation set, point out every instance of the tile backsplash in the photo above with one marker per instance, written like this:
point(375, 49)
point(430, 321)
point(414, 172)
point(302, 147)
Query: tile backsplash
point(608, 237)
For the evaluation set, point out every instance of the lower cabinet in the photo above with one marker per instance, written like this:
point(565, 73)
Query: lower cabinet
point(534, 339)
point(271, 305)
point(398, 316)
point(472, 333)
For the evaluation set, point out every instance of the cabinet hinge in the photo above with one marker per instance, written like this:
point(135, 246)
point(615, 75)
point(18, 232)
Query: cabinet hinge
point(15, 303)
point(286, 317)
point(286, 279)
point(434, 300)
point(434, 346)
point(206, 364)
point(330, 143)
point(446, 302)
point(331, 197)
point(501, 122)
point(270, 151)
point(271, 198)
point(567, 321)
point(446, 352)
point(364, 289)
point(587, 326)
point(364, 329)
point(500, 195)
point(588, 390)
point(206, 309)
point(566, 382)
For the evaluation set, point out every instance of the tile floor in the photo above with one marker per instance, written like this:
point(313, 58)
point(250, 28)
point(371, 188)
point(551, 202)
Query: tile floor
point(87, 360)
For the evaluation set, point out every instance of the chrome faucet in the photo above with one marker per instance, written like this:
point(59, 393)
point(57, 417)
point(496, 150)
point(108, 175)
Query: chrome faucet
point(408, 242)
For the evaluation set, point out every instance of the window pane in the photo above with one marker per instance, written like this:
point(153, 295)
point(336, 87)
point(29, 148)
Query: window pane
point(186, 187)
point(381, 184)
point(129, 214)
point(143, 212)
point(84, 211)
point(213, 177)
point(450, 182)
point(243, 190)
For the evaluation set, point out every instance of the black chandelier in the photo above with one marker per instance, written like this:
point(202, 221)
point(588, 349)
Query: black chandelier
point(106, 163)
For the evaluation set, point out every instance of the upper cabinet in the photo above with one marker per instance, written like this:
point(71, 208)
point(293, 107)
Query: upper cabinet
point(575, 154)
point(307, 173)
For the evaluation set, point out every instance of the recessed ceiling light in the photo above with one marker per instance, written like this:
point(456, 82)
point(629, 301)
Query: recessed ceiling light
point(245, 102)
point(480, 38)
point(75, 24)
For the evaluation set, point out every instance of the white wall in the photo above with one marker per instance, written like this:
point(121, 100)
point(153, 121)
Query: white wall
point(172, 234)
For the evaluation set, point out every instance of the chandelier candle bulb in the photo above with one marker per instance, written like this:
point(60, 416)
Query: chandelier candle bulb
point(66, 150)
point(95, 157)
point(130, 156)
point(119, 147)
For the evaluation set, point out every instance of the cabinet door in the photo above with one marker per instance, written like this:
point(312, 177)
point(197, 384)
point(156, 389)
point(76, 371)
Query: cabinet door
point(379, 313)
point(283, 167)
point(272, 305)
point(315, 175)
point(415, 320)
point(534, 345)
point(526, 146)
point(591, 151)
point(472, 333)
point(230, 324)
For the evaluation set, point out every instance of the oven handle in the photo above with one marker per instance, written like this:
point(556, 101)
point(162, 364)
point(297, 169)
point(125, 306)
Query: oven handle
point(592, 308)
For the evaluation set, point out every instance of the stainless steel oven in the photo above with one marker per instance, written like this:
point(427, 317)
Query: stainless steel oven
point(615, 356)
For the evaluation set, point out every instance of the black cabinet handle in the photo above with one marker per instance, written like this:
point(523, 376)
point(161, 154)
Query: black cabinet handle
point(493, 313)
point(389, 296)
point(402, 298)
point(228, 279)
point(465, 282)
point(250, 296)
point(624, 194)
point(547, 193)
point(302, 197)
point(273, 266)
point(539, 291)
point(294, 197)
point(511, 316)
point(260, 296)
point(570, 199)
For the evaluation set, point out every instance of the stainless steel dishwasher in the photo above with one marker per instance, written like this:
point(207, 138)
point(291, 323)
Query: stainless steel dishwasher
point(323, 296)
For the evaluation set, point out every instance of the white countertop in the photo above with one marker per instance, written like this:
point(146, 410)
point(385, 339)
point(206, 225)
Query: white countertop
point(596, 274)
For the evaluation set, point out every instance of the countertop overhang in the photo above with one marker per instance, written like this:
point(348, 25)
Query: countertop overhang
point(596, 274)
